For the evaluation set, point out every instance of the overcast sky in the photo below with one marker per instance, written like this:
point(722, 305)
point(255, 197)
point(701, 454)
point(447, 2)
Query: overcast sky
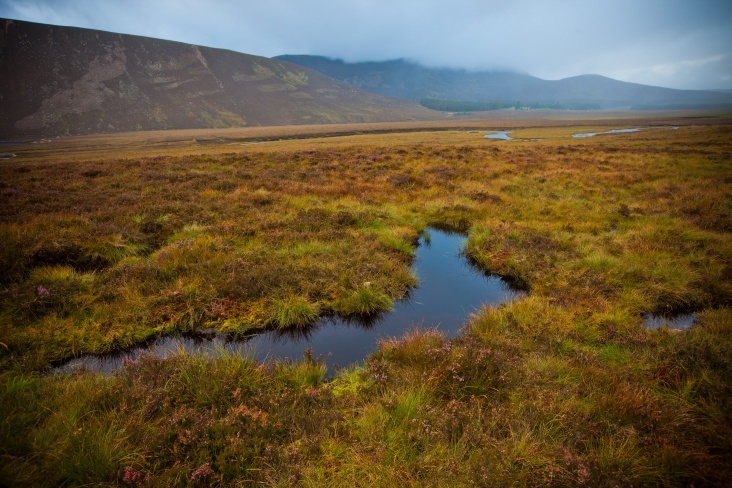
point(672, 43)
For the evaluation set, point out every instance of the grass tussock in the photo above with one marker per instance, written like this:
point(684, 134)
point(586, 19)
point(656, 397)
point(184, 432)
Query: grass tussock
point(294, 312)
point(564, 386)
point(364, 301)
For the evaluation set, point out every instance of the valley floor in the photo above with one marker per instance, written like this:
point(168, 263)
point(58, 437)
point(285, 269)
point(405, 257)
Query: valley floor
point(109, 241)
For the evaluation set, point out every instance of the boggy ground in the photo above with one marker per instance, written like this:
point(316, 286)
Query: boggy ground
point(564, 386)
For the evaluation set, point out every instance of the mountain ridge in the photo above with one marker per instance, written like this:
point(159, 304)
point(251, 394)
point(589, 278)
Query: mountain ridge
point(57, 80)
point(408, 80)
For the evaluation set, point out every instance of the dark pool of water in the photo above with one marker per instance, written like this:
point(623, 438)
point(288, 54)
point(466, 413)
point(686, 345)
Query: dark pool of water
point(503, 136)
point(449, 290)
point(679, 322)
point(614, 131)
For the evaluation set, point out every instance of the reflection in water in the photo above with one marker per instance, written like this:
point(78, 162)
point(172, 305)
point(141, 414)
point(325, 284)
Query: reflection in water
point(503, 135)
point(449, 290)
point(679, 322)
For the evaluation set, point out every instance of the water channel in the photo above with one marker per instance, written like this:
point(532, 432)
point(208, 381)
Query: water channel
point(614, 131)
point(449, 290)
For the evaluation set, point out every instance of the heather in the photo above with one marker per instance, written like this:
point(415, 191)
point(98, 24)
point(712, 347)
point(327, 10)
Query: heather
point(564, 386)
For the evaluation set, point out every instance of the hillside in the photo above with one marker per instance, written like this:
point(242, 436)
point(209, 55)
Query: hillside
point(411, 81)
point(65, 80)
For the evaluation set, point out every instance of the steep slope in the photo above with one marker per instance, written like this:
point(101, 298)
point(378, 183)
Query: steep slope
point(66, 80)
point(403, 79)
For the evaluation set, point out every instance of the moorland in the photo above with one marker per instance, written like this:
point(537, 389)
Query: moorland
point(111, 240)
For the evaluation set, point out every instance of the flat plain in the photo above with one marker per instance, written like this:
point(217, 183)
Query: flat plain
point(111, 240)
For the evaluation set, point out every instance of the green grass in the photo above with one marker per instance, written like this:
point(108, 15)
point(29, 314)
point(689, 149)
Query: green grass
point(295, 312)
point(364, 301)
point(564, 386)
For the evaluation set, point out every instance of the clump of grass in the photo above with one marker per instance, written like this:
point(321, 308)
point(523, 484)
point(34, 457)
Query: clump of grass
point(295, 312)
point(366, 300)
point(400, 239)
point(56, 290)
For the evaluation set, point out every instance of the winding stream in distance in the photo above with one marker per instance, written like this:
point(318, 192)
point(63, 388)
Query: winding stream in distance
point(449, 290)
point(613, 131)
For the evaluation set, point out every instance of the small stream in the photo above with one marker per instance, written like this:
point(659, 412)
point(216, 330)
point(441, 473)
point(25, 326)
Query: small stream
point(449, 290)
point(614, 131)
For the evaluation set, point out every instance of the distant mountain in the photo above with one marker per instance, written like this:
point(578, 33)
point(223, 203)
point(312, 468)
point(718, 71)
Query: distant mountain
point(411, 81)
point(65, 80)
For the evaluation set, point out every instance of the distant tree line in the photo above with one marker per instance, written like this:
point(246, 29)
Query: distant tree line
point(460, 105)
point(468, 106)
point(680, 106)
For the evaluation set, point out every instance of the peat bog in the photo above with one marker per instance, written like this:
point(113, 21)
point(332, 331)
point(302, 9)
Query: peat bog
point(565, 385)
point(449, 290)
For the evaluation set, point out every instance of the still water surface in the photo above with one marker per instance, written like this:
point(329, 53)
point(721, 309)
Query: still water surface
point(503, 136)
point(449, 290)
point(678, 322)
point(614, 131)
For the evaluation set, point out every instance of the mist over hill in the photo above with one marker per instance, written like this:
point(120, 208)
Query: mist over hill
point(66, 80)
point(410, 81)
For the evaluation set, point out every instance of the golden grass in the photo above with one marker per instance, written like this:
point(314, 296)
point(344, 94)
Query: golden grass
point(218, 141)
point(114, 239)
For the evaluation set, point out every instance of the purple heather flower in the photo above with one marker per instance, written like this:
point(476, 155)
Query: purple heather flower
point(202, 472)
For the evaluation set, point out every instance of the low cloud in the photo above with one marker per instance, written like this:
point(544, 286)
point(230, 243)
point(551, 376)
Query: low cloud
point(654, 41)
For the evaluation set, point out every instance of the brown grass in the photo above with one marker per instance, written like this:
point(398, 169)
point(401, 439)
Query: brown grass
point(565, 386)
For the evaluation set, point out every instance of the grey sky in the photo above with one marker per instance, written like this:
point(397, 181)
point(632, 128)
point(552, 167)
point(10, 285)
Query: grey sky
point(673, 43)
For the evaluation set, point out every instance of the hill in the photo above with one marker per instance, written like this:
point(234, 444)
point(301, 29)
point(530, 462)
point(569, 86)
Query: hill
point(411, 81)
point(66, 80)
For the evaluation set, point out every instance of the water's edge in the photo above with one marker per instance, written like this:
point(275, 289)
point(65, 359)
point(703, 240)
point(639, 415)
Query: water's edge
point(449, 290)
